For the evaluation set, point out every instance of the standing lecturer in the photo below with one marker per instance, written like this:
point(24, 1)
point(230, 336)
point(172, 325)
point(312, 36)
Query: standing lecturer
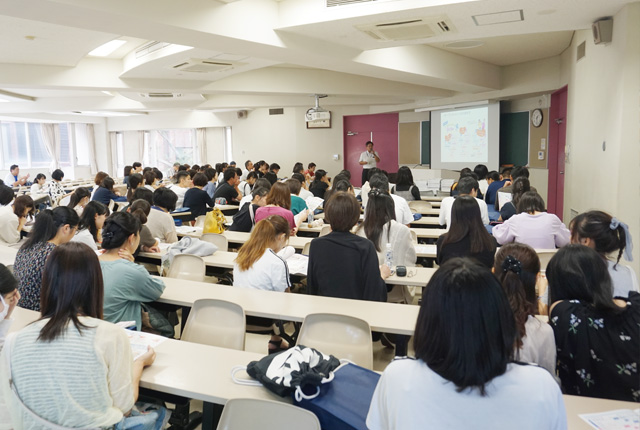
point(368, 160)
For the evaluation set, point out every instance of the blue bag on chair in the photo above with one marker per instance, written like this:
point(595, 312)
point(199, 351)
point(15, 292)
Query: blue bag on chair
point(343, 403)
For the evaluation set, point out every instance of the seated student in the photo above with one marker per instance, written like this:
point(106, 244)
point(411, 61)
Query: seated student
point(38, 188)
point(53, 359)
point(246, 185)
point(597, 336)
point(517, 267)
point(259, 267)
point(182, 185)
point(320, 183)
point(297, 203)
point(515, 173)
point(245, 218)
point(9, 297)
point(340, 184)
point(260, 183)
point(304, 189)
point(212, 181)
point(52, 228)
point(104, 194)
point(14, 217)
point(127, 172)
point(228, 189)
point(160, 221)
point(481, 172)
point(454, 187)
point(298, 168)
point(97, 180)
point(495, 183)
point(91, 223)
point(467, 237)
point(533, 226)
point(342, 264)
point(13, 178)
point(54, 187)
point(405, 187)
point(465, 379)
point(467, 186)
point(403, 212)
point(135, 181)
point(382, 229)
point(248, 167)
point(126, 284)
point(196, 199)
point(140, 209)
point(519, 187)
point(606, 234)
point(310, 173)
point(151, 180)
point(272, 174)
point(79, 199)
point(279, 203)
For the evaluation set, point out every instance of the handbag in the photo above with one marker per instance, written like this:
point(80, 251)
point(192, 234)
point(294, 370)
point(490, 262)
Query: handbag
point(344, 403)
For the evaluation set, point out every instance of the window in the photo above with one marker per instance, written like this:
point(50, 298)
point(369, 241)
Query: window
point(65, 145)
point(165, 147)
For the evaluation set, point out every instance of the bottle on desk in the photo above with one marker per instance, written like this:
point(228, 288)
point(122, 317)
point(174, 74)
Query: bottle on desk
point(388, 256)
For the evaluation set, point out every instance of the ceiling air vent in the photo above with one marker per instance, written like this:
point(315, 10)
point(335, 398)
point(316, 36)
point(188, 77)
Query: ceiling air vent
point(194, 65)
point(581, 51)
point(150, 47)
point(413, 29)
point(331, 3)
point(161, 95)
point(277, 111)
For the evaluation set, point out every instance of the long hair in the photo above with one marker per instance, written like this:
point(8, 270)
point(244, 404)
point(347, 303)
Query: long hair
point(47, 224)
point(279, 195)
point(135, 181)
point(596, 225)
point(79, 194)
point(578, 272)
point(88, 218)
point(72, 285)
point(466, 221)
point(404, 177)
point(380, 211)
point(262, 236)
point(516, 266)
point(520, 186)
point(318, 177)
point(465, 330)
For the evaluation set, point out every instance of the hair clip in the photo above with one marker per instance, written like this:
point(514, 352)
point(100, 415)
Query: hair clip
point(512, 264)
point(628, 247)
point(107, 235)
point(614, 223)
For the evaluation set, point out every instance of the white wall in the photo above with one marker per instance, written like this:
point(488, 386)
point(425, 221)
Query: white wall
point(603, 106)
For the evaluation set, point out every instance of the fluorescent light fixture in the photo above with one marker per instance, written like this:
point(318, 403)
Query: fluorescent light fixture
point(107, 48)
point(454, 106)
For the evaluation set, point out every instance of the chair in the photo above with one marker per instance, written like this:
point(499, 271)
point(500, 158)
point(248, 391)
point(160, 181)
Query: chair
point(187, 266)
point(305, 248)
point(545, 255)
point(200, 221)
point(340, 335)
point(326, 229)
point(63, 200)
point(218, 240)
point(235, 416)
point(216, 323)
point(419, 206)
point(414, 237)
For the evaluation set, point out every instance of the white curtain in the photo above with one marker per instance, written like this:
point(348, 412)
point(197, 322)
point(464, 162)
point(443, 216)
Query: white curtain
point(51, 140)
point(113, 150)
point(141, 148)
point(91, 142)
point(201, 144)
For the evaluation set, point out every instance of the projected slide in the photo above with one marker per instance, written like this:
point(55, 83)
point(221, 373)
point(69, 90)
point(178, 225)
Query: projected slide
point(464, 136)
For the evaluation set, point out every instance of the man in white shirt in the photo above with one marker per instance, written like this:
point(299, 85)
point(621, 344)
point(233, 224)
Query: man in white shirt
point(467, 186)
point(368, 160)
point(13, 177)
point(403, 212)
point(183, 183)
point(248, 167)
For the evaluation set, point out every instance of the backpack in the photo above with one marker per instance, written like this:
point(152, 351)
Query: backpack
point(214, 222)
point(244, 219)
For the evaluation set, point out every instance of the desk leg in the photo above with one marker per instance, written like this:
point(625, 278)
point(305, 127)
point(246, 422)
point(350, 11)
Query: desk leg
point(211, 413)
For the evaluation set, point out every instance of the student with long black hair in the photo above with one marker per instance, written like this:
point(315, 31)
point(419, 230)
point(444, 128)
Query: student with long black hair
point(467, 236)
point(52, 228)
point(90, 225)
point(597, 336)
point(464, 376)
point(135, 182)
point(320, 183)
point(79, 199)
point(405, 187)
point(70, 368)
point(126, 285)
point(517, 267)
point(520, 186)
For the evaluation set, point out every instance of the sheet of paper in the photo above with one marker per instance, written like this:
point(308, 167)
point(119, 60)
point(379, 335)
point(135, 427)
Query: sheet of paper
point(314, 203)
point(140, 341)
point(298, 264)
point(620, 419)
point(426, 249)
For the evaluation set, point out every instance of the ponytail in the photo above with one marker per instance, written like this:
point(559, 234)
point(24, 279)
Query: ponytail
point(607, 233)
point(47, 224)
point(140, 209)
point(77, 195)
point(117, 229)
point(262, 236)
point(134, 182)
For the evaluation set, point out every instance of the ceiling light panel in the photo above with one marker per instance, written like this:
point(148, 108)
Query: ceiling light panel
point(107, 48)
point(499, 17)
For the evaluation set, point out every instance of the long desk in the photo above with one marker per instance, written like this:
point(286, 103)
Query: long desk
point(427, 220)
point(7, 255)
point(428, 233)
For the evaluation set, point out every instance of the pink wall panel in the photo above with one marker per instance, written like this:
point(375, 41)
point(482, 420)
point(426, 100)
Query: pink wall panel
point(382, 130)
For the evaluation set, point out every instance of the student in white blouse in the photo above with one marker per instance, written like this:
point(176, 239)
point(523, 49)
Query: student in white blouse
point(91, 222)
point(38, 188)
point(13, 217)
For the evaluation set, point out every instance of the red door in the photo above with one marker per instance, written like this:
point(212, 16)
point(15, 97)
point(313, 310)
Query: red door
point(557, 142)
point(382, 130)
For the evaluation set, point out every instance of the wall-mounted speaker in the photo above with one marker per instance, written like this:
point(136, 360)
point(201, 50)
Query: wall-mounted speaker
point(602, 30)
point(242, 114)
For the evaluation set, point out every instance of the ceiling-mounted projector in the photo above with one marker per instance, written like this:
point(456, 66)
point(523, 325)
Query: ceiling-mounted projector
point(317, 113)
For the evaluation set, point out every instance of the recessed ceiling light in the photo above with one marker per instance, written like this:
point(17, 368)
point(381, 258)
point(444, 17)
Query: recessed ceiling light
point(107, 48)
point(499, 17)
point(464, 44)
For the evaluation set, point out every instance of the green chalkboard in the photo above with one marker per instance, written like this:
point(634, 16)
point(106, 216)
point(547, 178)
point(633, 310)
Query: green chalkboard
point(425, 142)
point(514, 138)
